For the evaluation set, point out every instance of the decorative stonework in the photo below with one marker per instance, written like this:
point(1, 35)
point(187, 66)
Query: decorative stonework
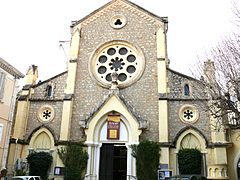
point(118, 21)
point(46, 113)
point(120, 57)
point(120, 4)
point(188, 114)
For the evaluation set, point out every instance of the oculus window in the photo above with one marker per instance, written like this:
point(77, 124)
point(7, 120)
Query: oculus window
point(121, 57)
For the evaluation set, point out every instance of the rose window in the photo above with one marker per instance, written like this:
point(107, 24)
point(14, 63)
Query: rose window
point(46, 113)
point(120, 57)
point(188, 113)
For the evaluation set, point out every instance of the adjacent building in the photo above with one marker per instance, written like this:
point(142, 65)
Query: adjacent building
point(118, 90)
point(9, 77)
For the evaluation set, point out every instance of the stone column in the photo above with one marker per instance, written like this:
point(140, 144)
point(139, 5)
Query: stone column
point(162, 62)
point(69, 90)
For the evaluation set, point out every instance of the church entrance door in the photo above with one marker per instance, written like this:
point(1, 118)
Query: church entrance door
point(113, 162)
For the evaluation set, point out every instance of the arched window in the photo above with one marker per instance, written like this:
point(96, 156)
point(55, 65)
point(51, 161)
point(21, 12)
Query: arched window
point(49, 91)
point(42, 142)
point(186, 90)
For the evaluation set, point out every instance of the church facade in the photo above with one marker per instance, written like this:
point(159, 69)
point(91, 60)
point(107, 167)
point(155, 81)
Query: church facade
point(119, 90)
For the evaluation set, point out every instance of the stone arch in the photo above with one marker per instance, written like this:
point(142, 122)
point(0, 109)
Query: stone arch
point(51, 131)
point(42, 140)
point(113, 104)
point(190, 141)
point(193, 138)
point(96, 125)
point(190, 129)
point(101, 126)
point(210, 172)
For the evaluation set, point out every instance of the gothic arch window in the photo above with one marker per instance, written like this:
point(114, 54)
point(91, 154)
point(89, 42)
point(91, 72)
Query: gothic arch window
point(186, 90)
point(42, 142)
point(49, 91)
point(190, 141)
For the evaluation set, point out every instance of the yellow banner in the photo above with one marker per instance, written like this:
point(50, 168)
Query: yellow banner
point(114, 118)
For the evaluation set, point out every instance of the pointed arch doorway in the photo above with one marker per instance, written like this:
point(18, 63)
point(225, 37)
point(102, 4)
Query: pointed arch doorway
point(114, 145)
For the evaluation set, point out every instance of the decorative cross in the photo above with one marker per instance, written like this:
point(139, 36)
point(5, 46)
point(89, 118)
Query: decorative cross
point(188, 114)
point(47, 114)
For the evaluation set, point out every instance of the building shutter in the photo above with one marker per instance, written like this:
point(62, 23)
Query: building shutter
point(2, 83)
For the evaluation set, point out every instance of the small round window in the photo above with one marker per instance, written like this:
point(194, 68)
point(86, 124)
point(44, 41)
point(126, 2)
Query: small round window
point(188, 113)
point(46, 113)
point(120, 57)
point(118, 21)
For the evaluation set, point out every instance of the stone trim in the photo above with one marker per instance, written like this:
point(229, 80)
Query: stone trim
point(186, 128)
point(22, 98)
point(38, 128)
point(10, 69)
point(163, 96)
point(18, 141)
point(139, 11)
point(220, 144)
point(46, 99)
point(68, 97)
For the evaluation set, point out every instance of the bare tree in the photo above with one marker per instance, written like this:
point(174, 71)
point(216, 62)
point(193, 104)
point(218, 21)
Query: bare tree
point(222, 78)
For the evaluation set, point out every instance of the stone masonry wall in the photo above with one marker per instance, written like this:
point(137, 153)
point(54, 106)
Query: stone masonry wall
point(39, 99)
point(59, 84)
point(177, 99)
point(142, 95)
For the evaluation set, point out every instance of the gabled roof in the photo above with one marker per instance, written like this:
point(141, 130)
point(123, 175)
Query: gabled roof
point(50, 79)
point(123, 4)
point(10, 69)
point(184, 75)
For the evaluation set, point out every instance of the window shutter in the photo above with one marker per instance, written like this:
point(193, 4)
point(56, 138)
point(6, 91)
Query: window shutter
point(2, 82)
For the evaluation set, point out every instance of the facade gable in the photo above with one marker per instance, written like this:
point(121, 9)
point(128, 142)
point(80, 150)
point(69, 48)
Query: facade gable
point(117, 5)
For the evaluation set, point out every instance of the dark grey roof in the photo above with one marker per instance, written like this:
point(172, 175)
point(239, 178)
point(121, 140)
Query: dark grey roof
point(184, 75)
point(10, 69)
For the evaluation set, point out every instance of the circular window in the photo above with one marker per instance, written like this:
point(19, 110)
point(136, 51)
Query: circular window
point(118, 21)
point(120, 57)
point(188, 113)
point(46, 113)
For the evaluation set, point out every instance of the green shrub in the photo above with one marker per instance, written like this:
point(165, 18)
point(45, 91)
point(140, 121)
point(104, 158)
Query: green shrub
point(74, 159)
point(190, 161)
point(39, 164)
point(147, 155)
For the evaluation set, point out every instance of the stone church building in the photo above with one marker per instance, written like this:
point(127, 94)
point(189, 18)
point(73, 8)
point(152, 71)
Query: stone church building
point(118, 90)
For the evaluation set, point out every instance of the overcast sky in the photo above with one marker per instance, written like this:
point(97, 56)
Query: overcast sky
point(30, 30)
